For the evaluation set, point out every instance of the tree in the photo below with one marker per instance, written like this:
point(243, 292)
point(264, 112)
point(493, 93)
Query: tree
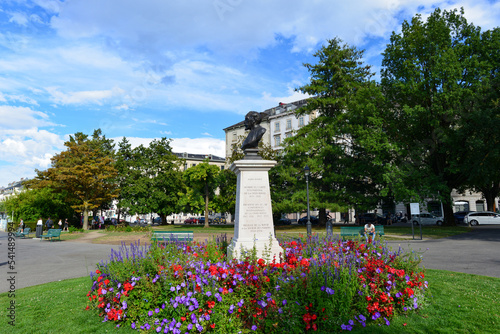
point(32, 204)
point(149, 178)
point(201, 181)
point(84, 171)
point(345, 146)
point(431, 77)
point(484, 145)
point(225, 201)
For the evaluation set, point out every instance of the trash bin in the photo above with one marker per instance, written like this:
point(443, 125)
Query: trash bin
point(39, 230)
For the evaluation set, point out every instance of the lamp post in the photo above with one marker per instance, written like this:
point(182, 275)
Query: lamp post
point(306, 173)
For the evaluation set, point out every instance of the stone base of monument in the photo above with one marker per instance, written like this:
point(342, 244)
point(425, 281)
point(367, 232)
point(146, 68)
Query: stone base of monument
point(253, 224)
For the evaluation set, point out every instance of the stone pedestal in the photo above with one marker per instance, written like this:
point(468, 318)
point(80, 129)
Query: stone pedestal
point(253, 225)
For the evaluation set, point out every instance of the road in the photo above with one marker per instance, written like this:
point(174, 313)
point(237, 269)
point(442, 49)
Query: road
point(477, 252)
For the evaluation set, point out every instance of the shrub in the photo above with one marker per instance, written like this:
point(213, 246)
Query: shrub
point(320, 284)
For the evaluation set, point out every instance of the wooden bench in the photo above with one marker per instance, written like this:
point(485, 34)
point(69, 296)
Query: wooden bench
point(346, 231)
point(51, 234)
point(167, 236)
point(21, 233)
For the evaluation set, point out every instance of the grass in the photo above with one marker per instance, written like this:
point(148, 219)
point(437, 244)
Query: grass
point(459, 303)
point(391, 232)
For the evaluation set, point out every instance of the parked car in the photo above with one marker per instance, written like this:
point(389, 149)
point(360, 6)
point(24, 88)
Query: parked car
point(191, 220)
point(314, 220)
point(201, 220)
point(426, 219)
point(219, 220)
point(157, 221)
point(482, 218)
point(371, 218)
point(460, 215)
point(285, 221)
point(139, 222)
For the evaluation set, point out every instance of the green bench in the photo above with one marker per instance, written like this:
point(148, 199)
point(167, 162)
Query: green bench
point(166, 236)
point(52, 234)
point(346, 231)
point(24, 234)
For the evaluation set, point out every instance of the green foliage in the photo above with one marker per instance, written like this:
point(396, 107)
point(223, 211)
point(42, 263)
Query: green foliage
point(149, 178)
point(225, 200)
point(32, 204)
point(435, 75)
point(201, 182)
point(85, 172)
point(344, 144)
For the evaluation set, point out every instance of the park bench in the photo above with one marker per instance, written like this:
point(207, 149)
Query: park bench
point(346, 231)
point(166, 236)
point(51, 234)
point(21, 233)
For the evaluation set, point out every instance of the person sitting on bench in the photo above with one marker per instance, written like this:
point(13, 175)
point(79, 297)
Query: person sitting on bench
point(370, 232)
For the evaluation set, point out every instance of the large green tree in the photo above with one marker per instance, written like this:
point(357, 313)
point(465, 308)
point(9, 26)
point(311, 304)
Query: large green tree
point(84, 171)
point(484, 145)
point(345, 145)
point(201, 182)
point(32, 204)
point(149, 178)
point(432, 77)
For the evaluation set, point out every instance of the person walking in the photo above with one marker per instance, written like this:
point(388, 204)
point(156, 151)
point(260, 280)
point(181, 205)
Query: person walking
point(49, 223)
point(65, 224)
point(21, 225)
point(60, 224)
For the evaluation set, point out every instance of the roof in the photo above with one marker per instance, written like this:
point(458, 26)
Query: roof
point(200, 157)
point(280, 108)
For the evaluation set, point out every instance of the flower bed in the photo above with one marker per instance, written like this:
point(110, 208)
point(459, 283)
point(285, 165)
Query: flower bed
point(321, 285)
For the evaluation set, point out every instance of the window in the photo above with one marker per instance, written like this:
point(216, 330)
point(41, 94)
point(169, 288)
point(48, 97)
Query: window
point(277, 127)
point(234, 137)
point(277, 140)
point(288, 124)
point(288, 135)
point(301, 121)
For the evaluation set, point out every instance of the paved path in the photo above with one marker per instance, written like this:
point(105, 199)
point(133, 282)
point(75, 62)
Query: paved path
point(38, 262)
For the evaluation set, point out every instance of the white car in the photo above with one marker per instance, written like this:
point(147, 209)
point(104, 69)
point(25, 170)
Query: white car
point(426, 219)
point(482, 218)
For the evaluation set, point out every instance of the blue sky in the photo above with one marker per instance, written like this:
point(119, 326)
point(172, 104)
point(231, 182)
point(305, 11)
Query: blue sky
point(177, 69)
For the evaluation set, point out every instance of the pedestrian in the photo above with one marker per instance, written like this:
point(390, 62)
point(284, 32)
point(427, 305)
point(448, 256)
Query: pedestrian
point(21, 225)
point(65, 224)
point(49, 223)
point(369, 232)
point(60, 224)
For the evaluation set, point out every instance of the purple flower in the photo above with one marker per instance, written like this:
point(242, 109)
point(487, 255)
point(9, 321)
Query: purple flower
point(387, 322)
point(254, 328)
point(133, 325)
point(150, 313)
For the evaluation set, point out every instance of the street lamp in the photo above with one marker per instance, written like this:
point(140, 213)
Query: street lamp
point(306, 173)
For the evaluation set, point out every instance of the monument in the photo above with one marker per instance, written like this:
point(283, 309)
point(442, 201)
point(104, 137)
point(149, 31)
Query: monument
point(253, 225)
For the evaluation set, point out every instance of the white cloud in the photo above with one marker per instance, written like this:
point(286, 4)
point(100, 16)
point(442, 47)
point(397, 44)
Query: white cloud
point(12, 117)
point(83, 97)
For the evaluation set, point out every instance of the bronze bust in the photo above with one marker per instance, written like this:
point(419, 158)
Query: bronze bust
point(252, 123)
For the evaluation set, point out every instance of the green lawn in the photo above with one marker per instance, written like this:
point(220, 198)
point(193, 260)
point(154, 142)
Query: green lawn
point(459, 303)
point(391, 232)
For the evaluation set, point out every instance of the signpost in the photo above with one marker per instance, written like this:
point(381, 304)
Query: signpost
point(415, 210)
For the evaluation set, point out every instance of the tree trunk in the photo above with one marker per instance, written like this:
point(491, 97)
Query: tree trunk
point(489, 195)
point(322, 217)
point(449, 218)
point(206, 206)
point(85, 218)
